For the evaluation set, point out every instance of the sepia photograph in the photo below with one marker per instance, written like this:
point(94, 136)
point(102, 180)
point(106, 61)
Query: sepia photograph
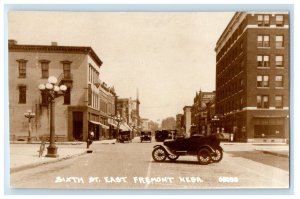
point(149, 100)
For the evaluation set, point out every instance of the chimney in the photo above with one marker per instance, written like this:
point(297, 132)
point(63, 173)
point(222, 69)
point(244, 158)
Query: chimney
point(53, 43)
point(12, 42)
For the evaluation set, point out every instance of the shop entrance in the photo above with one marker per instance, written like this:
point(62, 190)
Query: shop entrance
point(78, 126)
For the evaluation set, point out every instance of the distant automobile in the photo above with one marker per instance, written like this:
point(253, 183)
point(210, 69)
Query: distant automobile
point(163, 135)
point(124, 136)
point(146, 136)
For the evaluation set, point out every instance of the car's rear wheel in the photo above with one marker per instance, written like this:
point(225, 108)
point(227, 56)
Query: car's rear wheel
point(173, 157)
point(159, 154)
point(217, 155)
point(204, 156)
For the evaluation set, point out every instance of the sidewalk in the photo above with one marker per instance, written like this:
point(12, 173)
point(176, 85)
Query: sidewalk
point(24, 156)
point(276, 149)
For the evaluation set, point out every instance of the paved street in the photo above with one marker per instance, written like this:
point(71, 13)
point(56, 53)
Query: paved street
point(130, 165)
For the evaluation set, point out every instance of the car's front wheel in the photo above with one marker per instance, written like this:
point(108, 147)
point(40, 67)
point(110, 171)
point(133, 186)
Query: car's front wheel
point(159, 154)
point(204, 156)
point(217, 155)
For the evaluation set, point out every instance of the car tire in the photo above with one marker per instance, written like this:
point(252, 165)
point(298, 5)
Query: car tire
point(159, 154)
point(204, 156)
point(217, 156)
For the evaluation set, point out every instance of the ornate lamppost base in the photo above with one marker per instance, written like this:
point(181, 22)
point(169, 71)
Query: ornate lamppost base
point(52, 152)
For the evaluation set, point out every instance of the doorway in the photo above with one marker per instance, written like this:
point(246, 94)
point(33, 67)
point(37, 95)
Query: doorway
point(78, 126)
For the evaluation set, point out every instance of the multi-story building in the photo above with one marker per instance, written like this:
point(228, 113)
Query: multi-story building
point(107, 110)
point(129, 112)
point(77, 112)
point(252, 76)
point(124, 108)
point(199, 111)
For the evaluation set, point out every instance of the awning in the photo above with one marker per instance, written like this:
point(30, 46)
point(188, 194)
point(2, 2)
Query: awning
point(128, 127)
point(114, 125)
point(94, 122)
point(125, 127)
point(98, 123)
point(104, 126)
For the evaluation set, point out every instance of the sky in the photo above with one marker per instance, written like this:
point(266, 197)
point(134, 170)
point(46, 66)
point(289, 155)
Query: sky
point(165, 57)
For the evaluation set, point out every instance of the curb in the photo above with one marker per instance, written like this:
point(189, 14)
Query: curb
point(24, 167)
point(276, 154)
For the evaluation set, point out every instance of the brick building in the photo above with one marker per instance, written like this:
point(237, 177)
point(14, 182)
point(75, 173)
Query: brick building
point(199, 112)
point(129, 112)
point(252, 76)
point(107, 110)
point(76, 113)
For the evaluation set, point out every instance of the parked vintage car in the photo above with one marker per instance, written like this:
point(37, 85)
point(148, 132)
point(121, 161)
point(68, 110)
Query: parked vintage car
point(146, 136)
point(124, 136)
point(207, 149)
point(162, 135)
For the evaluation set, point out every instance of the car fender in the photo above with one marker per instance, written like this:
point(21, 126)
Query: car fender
point(159, 146)
point(164, 148)
point(207, 146)
point(220, 148)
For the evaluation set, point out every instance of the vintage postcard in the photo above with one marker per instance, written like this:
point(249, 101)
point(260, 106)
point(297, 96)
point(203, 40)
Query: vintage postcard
point(149, 100)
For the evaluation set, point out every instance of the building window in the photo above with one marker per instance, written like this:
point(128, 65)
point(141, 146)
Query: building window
point(67, 96)
point(279, 61)
point(45, 68)
point(22, 94)
point(263, 20)
point(278, 81)
point(241, 103)
point(263, 61)
point(263, 41)
point(241, 84)
point(67, 69)
point(262, 81)
point(262, 101)
point(278, 101)
point(279, 41)
point(22, 68)
point(279, 20)
point(89, 95)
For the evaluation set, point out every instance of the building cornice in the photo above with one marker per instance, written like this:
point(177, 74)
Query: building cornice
point(56, 49)
point(235, 22)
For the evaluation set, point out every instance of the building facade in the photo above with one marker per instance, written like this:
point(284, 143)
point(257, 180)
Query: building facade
point(128, 109)
point(76, 113)
point(107, 111)
point(252, 77)
point(199, 112)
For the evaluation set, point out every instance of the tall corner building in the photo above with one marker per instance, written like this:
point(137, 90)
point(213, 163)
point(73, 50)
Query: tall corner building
point(252, 77)
point(85, 106)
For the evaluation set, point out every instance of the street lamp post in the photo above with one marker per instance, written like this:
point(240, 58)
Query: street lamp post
point(52, 91)
point(29, 115)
